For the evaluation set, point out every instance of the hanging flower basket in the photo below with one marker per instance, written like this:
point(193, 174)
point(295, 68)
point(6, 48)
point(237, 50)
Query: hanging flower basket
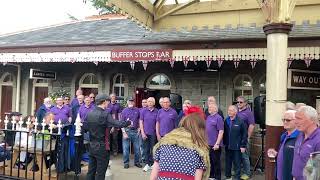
point(59, 93)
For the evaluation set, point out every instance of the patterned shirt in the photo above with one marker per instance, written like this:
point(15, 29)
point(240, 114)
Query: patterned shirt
point(177, 163)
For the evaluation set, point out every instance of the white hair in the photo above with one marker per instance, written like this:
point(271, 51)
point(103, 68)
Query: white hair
point(187, 102)
point(290, 105)
point(292, 113)
point(47, 99)
point(234, 108)
point(309, 112)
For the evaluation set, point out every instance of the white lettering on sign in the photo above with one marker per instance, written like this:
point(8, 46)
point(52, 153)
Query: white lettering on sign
point(141, 54)
point(299, 79)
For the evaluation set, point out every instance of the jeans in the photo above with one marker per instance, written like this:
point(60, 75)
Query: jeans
point(245, 160)
point(99, 160)
point(133, 137)
point(114, 136)
point(142, 149)
point(215, 161)
point(148, 146)
point(233, 156)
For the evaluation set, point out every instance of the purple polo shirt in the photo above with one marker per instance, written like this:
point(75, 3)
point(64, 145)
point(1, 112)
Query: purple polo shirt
point(74, 102)
point(62, 113)
point(131, 114)
point(214, 124)
point(108, 110)
point(302, 150)
point(115, 109)
point(167, 120)
point(246, 116)
point(84, 110)
point(149, 118)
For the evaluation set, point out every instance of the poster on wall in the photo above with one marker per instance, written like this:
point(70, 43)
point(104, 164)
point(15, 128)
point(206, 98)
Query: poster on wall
point(302, 79)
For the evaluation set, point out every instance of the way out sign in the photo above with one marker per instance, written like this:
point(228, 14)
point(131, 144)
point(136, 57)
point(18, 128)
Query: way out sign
point(301, 79)
point(141, 55)
point(39, 74)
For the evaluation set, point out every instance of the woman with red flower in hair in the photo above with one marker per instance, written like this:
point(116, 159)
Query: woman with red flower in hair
point(183, 154)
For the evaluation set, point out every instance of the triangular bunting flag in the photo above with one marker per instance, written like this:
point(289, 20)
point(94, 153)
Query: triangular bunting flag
point(185, 63)
point(145, 64)
point(220, 61)
point(96, 63)
point(307, 61)
point(289, 62)
point(171, 63)
point(253, 63)
point(236, 62)
point(208, 62)
point(132, 64)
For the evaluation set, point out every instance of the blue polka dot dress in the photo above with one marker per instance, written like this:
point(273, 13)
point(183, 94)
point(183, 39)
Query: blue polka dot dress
point(177, 163)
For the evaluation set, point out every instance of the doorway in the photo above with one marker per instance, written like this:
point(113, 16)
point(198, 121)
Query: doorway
point(6, 100)
point(39, 92)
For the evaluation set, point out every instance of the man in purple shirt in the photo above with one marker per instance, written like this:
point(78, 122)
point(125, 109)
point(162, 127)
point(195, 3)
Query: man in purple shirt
point(214, 129)
point(61, 112)
point(308, 141)
point(115, 110)
point(166, 119)
point(75, 100)
point(148, 119)
point(286, 148)
point(144, 105)
point(246, 115)
point(86, 108)
point(131, 134)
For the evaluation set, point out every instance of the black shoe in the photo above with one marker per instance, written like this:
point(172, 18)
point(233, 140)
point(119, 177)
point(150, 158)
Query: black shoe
point(138, 165)
point(126, 166)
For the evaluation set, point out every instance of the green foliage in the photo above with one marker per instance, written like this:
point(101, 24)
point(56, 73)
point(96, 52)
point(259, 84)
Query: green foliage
point(101, 5)
point(59, 93)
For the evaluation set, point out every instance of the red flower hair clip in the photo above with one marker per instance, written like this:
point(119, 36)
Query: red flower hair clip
point(194, 109)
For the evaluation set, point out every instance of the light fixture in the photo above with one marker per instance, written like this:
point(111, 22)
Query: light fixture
point(212, 70)
point(188, 70)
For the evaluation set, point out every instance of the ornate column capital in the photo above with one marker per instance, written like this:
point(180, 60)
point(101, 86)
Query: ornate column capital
point(277, 28)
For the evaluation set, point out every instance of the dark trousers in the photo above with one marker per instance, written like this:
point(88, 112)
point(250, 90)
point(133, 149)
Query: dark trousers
point(215, 156)
point(98, 161)
point(148, 147)
point(233, 156)
point(114, 136)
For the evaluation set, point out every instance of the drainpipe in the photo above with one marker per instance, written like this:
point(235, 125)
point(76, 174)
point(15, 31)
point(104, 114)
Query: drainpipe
point(18, 85)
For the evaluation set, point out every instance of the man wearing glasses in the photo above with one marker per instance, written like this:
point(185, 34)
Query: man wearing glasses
point(286, 148)
point(246, 115)
point(92, 98)
point(66, 101)
point(308, 141)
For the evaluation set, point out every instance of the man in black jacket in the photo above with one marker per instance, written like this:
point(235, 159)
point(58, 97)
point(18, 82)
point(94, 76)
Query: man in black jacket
point(97, 121)
point(286, 149)
point(235, 140)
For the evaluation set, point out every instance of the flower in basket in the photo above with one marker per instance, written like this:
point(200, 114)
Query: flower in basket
point(59, 93)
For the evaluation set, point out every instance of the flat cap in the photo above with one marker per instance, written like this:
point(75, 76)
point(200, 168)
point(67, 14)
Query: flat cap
point(102, 97)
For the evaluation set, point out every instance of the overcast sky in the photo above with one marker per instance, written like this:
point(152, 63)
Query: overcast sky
point(28, 14)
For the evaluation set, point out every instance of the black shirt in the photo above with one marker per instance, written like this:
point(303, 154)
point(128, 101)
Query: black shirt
point(98, 120)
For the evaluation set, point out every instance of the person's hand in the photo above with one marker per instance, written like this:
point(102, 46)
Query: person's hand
point(144, 136)
point(111, 130)
point(243, 150)
point(158, 137)
point(216, 147)
point(272, 152)
point(125, 135)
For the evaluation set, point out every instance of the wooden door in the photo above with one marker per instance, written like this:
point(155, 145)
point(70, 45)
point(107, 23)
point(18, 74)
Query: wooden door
point(39, 94)
point(6, 100)
point(88, 91)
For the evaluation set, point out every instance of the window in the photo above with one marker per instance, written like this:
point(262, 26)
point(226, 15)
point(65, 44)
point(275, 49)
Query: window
point(242, 86)
point(262, 85)
point(159, 81)
point(89, 80)
point(119, 85)
point(7, 79)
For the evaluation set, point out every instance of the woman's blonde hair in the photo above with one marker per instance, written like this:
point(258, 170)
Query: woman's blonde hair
point(195, 124)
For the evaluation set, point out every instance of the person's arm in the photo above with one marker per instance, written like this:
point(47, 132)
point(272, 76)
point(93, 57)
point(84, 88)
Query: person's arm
point(158, 130)
point(219, 139)
point(198, 174)
point(175, 119)
point(143, 134)
point(155, 171)
point(251, 125)
point(250, 130)
point(115, 123)
point(244, 137)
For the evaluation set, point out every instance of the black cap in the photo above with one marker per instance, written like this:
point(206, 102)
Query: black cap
point(102, 97)
point(15, 114)
point(130, 99)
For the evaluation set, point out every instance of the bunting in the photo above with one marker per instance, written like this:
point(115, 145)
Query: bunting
point(132, 63)
point(145, 64)
point(253, 63)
